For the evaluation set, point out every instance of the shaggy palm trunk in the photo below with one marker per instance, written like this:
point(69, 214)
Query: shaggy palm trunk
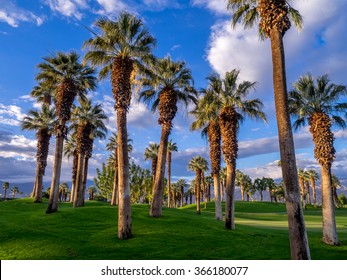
point(297, 230)
point(167, 110)
point(122, 69)
point(114, 199)
point(229, 126)
point(43, 138)
point(168, 178)
point(324, 152)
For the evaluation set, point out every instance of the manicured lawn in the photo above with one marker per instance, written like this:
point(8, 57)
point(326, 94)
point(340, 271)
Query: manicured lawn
point(26, 232)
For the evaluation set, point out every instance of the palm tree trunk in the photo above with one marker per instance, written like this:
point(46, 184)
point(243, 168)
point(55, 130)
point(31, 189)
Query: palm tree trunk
point(124, 206)
point(39, 185)
point(197, 191)
point(230, 197)
point(242, 192)
point(114, 199)
point(74, 173)
point(58, 157)
point(297, 231)
point(78, 200)
point(308, 192)
point(168, 178)
point(157, 202)
point(217, 197)
point(314, 194)
point(328, 209)
point(261, 196)
point(84, 178)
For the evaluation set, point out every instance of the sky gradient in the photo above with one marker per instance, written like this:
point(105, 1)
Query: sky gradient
point(197, 31)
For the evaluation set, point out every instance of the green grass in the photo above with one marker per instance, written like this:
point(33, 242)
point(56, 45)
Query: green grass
point(26, 232)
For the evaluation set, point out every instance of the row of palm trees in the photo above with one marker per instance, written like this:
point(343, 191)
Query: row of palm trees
point(122, 50)
point(14, 190)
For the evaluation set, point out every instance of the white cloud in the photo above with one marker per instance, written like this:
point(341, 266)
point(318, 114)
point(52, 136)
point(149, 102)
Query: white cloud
point(11, 115)
point(323, 36)
point(217, 6)
point(68, 8)
point(13, 15)
point(112, 7)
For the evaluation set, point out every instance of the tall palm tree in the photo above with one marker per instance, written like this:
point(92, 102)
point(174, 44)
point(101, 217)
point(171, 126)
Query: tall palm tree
point(43, 92)
point(70, 150)
point(151, 153)
point(234, 109)
point(274, 18)
point(63, 190)
point(199, 165)
point(166, 84)
point(171, 147)
point(88, 123)
point(206, 116)
point(317, 103)
point(307, 187)
point(43, 123)
point(5, 187)
point(113, 159)
point(69, 78)
point(223, 179)
point(313, 176)
point(121, 48)
point(91, 191)
point(241, 180)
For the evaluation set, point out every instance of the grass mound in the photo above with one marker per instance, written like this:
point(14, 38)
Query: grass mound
point(91, 233)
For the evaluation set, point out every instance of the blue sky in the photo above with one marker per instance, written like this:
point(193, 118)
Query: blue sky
point(197, 31)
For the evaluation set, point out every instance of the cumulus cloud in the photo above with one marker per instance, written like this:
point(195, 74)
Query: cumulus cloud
point(217, 6)
point(68, 8)
point(13, 15)
point(11, 115)
point(323, 36)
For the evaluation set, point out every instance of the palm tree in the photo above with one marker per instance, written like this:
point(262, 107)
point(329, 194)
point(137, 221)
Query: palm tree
point(14, 191)
point(88, 123)
point(181, 184)
point(166, 84)
point(307, 187)
point(43, 93)
point(223, 179)
point(171, 147)
point(113, 159)
point(70, 150)
point(199, 165)
point(302, 177)
point(151, 153)
point(335, 184)
point(234, 109)
point(43, 123)
point(63, 190)
point(275, 18)
point(69, 78)
point(313, 176)
point(241, 180)
point(5, 187)
point(206, 116)
point(91, 191)
point(317, 103)
point(120, 49)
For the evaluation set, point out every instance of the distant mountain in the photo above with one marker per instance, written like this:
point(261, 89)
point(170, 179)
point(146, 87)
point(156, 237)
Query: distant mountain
point(27, 188)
